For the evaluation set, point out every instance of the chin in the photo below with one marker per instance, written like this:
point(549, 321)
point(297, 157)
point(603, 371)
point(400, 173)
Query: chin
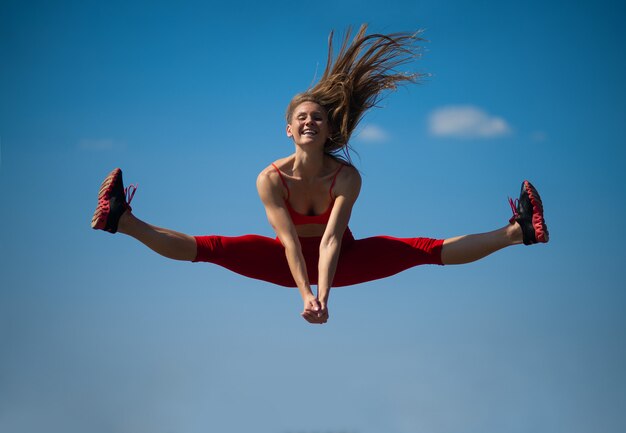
point(311, 143)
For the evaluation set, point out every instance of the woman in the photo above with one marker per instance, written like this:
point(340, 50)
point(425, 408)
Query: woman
point(309, 195)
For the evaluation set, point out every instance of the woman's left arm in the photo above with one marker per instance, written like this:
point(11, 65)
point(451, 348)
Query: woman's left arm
point(346, 191)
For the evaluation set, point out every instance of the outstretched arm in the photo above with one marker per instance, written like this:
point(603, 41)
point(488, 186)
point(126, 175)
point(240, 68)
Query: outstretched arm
point(272, 196)
point(346, 192)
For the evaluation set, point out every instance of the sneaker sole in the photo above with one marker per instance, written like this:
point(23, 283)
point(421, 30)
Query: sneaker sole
point(101, 214)
point(539, 223)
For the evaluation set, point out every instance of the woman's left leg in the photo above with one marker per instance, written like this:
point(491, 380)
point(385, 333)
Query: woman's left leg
point(469, 248)
point(382, 256)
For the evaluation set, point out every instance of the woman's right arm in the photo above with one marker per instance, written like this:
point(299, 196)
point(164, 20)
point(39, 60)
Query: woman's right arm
point(272, 195)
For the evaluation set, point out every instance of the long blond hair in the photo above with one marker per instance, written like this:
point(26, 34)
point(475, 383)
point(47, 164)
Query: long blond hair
point(354, 81)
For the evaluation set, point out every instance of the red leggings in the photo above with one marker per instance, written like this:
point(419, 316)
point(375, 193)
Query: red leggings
point(360, 260)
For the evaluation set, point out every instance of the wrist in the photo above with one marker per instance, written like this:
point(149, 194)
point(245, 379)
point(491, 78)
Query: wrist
point(306, 293)
point(322, 295)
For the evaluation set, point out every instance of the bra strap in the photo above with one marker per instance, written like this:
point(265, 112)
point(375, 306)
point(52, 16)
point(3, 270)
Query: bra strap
point(330, 192)
point(282, 179)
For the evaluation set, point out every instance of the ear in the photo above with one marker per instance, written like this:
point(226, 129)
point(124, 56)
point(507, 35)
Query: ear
point(289, 133)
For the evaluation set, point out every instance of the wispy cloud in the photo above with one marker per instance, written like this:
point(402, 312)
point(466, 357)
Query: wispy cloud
point(466, 121)
point(372, 133)
point(538, 136)
point(99, 144)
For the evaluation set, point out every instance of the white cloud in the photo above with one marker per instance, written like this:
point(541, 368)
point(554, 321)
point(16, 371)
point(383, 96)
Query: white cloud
point(372, 133)
point(466, 121)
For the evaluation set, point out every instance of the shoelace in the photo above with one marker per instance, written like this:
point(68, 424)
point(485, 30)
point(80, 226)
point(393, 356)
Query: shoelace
point(129, 192)
point(514, 204)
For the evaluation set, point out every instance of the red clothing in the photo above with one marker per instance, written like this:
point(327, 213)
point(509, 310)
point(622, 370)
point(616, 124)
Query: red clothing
point(301, 219)
point(359, 261)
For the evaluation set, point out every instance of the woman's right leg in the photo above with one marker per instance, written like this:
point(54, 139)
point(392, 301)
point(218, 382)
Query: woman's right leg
point(250, 255)
point(168, 243)
point(113, 214)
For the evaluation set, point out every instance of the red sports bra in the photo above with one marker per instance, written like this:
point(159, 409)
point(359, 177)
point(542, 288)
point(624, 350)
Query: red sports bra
point(301, 219)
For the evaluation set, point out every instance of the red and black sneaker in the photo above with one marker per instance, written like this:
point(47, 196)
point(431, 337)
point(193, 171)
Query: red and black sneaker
point(528, 213)
point(113, 201)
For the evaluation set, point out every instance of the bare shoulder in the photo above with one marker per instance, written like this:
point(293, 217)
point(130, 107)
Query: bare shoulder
point(348, 182)
point(269, 175)
point(268, 182)
point(350, 176)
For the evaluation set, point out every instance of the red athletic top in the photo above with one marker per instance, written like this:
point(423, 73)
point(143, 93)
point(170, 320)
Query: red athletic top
point(301, 219)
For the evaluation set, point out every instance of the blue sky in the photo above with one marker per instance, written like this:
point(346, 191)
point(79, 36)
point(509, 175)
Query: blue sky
point(99, 334)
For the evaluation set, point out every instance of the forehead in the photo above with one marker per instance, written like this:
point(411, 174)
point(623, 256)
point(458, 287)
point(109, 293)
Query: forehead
point(309, 107)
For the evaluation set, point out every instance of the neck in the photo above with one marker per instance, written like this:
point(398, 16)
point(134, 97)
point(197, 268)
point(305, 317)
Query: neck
point(308, 164)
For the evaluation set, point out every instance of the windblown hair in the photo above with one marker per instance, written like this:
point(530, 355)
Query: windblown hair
point(354, 81)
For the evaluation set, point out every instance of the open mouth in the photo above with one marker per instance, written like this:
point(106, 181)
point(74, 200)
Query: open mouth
point(309, 132)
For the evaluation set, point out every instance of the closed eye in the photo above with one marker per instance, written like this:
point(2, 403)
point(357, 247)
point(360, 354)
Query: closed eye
point(316, 116)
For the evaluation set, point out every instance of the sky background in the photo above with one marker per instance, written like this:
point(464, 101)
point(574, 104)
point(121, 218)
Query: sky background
point(98, 334)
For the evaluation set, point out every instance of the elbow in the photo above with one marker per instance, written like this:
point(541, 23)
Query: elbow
point(290, 244)
point(330, 243)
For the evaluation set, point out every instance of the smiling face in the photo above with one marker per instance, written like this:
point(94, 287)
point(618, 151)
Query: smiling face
point(308, 124)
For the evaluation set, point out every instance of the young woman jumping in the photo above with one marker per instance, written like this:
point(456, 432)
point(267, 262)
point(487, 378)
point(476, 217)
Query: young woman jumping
point(309, 195)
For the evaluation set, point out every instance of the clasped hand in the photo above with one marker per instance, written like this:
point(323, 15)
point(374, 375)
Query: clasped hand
point(315, 311)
